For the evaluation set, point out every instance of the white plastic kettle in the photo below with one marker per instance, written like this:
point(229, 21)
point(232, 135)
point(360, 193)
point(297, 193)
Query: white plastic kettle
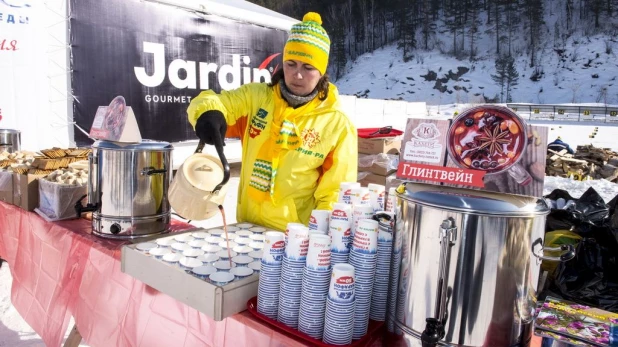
point(200, 185)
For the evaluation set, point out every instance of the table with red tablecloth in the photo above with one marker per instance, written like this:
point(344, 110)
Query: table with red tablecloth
point(61, 270)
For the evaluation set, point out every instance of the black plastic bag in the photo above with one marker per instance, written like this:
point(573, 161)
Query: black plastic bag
point(588, 210)
point(591, 278)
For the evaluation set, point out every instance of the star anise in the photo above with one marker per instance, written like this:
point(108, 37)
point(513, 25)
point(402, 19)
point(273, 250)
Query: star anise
point(493, 140)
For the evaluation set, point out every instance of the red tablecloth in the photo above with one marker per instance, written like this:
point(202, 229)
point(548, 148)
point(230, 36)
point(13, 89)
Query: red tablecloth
point(60, 269)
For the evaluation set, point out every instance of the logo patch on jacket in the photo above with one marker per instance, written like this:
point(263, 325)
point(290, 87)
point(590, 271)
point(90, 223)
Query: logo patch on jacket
point(258, 123)
point(310, 138)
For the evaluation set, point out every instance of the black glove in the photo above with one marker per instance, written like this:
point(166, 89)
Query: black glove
point(211, 128)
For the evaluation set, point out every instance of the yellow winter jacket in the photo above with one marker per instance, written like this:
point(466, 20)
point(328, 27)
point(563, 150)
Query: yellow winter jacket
point(309, 170)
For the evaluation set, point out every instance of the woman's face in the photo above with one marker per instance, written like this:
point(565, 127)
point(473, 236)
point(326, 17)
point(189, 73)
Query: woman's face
point(300, 78)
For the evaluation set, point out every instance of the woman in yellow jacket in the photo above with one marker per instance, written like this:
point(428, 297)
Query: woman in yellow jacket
point(297, 144)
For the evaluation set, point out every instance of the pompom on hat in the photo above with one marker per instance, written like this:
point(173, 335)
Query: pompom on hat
point(308, 42)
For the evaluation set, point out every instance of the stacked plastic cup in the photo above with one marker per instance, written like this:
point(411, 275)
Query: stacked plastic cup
point(340, 306)
point(395, 270)
point(359, 212)
point(363, 256)
point(292, 275)
point(345, 191)
point(340, 230)
point(379, 295)
point(377, 193)
point(319, 220)
point(391, 200)
point(316, 280)
point(270, 274)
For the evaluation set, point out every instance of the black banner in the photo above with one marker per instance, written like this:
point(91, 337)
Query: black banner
point(159, 57)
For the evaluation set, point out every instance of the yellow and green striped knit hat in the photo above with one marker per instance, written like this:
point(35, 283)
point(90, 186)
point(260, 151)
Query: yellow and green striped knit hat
point(308, 42)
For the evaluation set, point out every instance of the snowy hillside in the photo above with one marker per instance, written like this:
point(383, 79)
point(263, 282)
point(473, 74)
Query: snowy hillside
point(579, 74)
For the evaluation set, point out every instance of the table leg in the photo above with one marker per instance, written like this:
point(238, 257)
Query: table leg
point(74, 338)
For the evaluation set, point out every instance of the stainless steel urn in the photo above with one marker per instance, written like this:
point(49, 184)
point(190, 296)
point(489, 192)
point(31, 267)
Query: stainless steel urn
point(127, 191)
point(10, 140)
point(465, 267)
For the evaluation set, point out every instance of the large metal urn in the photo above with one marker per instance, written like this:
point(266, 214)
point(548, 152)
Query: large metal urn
point(127, 191)
point(466, 266)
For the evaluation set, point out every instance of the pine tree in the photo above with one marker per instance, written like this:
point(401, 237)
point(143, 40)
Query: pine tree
point(534, 11)
point(511, 76)
point(407, 29)
point(501, 74)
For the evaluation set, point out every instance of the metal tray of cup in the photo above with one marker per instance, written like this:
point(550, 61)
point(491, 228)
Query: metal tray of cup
point(374, 331)
point(217, 302)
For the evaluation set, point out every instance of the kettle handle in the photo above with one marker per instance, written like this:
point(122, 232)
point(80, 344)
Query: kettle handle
point(226, 166)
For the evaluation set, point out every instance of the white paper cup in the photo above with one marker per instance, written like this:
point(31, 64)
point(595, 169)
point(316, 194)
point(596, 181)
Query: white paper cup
point(274, 247)
point(386, 224)
point(345, 191)
point(192, 252)
point(341, 287)
point(172, 258)
point(298, 242)
point(366, 236)
point(360, 212)
point(318, 254)
point(319, 220)
point(221, 278)
point(190, 263)
point(166, 242)
point(391, 200)
point(179, 246)
point(341, 212)
point(241, 272)
point(159, 252)
point(211, 248)
point(184, 238)
point(360, 196)
point(377, 193)
point(287, 230)
point(341, 236)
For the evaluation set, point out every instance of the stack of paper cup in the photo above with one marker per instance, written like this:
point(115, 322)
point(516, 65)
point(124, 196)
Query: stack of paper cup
point(319, 220)
point(316, 280)
point(340, 230)
point(379, 295)
point(395, 268)
point(360, 212)
point(345, 191)
point(270, 274)
point(360, 196)
point(377, 194)
point(363, 256)
point(287, 230)
point(340, 305)
point(292, 274)
point(391, 200)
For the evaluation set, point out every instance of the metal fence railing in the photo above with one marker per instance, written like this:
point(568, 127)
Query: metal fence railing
point(571, 113)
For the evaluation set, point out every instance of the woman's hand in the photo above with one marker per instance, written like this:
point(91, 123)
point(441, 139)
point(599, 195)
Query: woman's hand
point(211, 128)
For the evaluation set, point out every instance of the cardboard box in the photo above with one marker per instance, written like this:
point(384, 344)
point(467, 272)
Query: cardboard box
point(57, 201)
point(379, 164)
point(26, 191)
point(388, 145)
point(485, 148)
point(6, 187)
